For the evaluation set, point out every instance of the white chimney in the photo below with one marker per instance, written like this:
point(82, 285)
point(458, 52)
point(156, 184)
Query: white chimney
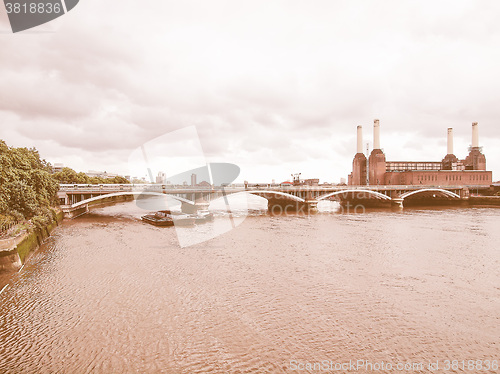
point(450, 141)
point(475, 135)
point(360, 139)
point(376, 134)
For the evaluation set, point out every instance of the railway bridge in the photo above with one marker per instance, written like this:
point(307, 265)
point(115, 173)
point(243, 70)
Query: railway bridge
point(76, 198)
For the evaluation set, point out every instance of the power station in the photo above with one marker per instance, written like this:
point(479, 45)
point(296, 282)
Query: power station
point(448, 172)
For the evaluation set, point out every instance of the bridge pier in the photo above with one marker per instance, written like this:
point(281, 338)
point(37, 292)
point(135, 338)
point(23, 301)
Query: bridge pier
point(285, 206)
point(70, 212)
point(193, 208)
point(311, 205)
point(199, 204)
point(397, 202)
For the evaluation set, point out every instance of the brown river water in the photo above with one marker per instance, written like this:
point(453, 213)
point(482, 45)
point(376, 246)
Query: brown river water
point(108, 293)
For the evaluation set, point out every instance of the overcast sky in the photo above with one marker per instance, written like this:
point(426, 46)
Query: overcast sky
point(276, 87)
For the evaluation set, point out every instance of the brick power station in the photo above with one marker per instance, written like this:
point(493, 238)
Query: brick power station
point(448, 172)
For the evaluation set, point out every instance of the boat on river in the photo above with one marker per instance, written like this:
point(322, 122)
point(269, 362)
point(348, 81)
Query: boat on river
point(203, 216)
point(169, 218)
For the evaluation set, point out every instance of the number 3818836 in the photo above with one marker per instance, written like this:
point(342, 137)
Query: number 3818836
point(33, 8)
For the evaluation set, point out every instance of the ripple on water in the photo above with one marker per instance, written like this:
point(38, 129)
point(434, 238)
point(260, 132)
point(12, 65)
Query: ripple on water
point(107, 295)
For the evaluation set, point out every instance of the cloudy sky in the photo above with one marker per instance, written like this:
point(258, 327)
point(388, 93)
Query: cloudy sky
point(276, 87)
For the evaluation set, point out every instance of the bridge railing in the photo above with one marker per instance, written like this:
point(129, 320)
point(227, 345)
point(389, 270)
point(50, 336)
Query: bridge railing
point(134, 187)
point(179, 188)
point(108, 187)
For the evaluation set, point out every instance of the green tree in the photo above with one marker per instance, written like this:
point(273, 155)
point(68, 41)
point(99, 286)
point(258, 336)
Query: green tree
point(69, 176)
point(22, 198)
point(27, 186)
point(119, 180)
point(66, 176)
point(25, 182)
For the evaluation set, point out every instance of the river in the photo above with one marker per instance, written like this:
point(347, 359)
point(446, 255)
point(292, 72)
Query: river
point(108, 293)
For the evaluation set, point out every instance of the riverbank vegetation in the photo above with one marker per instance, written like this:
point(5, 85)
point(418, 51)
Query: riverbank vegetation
point(69, 176)
point(28, 188)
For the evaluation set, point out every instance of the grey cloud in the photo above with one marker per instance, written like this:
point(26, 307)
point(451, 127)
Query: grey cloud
point(269, 81)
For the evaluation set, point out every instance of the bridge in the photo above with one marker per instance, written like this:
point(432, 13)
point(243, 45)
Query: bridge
point(76, 198)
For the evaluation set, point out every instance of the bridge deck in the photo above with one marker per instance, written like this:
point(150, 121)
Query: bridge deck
point(107, 188)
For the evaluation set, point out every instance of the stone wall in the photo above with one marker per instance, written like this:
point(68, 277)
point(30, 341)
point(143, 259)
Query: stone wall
point(15, 251)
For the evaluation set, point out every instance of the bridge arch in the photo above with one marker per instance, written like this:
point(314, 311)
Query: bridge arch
point(128, 193)
point(426, 190)
point(371, 192)
point(276, 193)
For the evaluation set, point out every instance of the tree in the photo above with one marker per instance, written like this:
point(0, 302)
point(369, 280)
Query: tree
point(66, 176)
point(69, 176)
point(22, 198)
point(25, 182)
point(119, 180)
point(27, 186)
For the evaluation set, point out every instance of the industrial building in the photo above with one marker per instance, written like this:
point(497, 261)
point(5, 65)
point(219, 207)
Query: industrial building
point(450, 171)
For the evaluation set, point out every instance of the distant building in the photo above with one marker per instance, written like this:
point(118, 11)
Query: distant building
point(161, 178)
point(193, 180)
point(100, 174)
point(204, 184)
point(310, 182)
point(57, 167)
point(449, 172)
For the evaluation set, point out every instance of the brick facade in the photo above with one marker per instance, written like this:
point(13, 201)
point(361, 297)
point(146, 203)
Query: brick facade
point(449, 172)
point(439, 178)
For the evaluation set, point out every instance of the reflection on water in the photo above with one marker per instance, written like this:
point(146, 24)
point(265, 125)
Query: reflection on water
point(109, 293)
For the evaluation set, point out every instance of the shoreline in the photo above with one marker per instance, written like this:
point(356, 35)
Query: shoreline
point(14, 252)
point(484, 200)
